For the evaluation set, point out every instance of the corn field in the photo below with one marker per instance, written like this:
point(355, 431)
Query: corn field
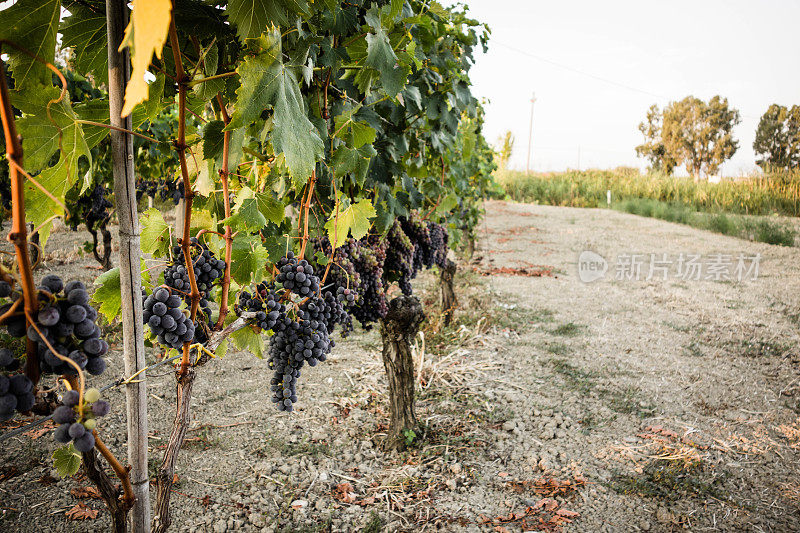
point(768, 194)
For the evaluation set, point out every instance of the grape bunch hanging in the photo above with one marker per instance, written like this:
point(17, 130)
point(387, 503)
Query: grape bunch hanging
point(66, 323)
point(302, 314)
point(77, 421)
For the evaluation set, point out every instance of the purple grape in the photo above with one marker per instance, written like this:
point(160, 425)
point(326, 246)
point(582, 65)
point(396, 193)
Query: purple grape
point(70, 398)
point(76, 431)
point(63, 415)
point(84, 443)
point(101, 408)
point(61, 434)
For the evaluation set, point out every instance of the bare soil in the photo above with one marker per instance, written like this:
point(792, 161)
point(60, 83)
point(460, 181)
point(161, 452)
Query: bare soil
point(551, 404)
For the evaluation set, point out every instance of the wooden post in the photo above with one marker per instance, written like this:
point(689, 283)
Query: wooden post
point(180, 214)
point(449, 301)
point(129, 266)
point(398, 330)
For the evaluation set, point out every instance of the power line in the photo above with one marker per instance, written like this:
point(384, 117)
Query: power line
point(594, 76)
point(577, 71)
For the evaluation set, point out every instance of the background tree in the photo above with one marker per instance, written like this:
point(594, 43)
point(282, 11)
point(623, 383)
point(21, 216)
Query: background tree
point(699, 134)
point(778, 138)
point(653, 148)
point(505, 147)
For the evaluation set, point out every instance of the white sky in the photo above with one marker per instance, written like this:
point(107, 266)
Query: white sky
point(744, 50)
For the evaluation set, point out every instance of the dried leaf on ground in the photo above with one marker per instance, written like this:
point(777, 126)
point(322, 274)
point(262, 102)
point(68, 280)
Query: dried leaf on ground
point(81, 511)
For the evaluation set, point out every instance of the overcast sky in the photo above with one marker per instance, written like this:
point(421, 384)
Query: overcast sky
point(652, 52)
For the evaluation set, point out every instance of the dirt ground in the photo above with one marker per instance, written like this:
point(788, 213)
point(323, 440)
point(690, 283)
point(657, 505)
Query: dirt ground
point(552, 404)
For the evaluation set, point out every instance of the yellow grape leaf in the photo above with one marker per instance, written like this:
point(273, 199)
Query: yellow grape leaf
point(354, 220)
point(145, 35)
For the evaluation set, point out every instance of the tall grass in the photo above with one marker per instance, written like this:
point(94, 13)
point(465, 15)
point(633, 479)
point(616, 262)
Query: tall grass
point(759, 229)
point(777, 193)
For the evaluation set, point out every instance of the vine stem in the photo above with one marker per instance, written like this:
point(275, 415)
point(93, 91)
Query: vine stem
point(116, 128)
point(180, 147)
point(19, 231)
point(122, 473)
point(224, 173)
point(185, 374)
point(305, 207)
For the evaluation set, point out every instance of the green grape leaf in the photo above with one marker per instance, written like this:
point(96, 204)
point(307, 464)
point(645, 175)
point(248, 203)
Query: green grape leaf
point(354, 220)
point(267, 82)
point(107, 294)
point(155, 233)
point(34, 25)
point(346, 160)
point(252, 17)
point(40, 137)
point(249, 340)
point(67, 460)
point(248, 258)
point(85, 32)
point(355, 134)
point(213, 139)
point(270, 207)
point(247, 216)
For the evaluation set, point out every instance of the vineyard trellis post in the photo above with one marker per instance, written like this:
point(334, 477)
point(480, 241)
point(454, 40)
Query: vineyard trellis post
point(129, 265)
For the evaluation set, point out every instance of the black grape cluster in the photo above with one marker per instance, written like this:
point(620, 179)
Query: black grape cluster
point(372, 304)
point(438, 245)
point(171, 189)
point(77, 424)
point(417, 232)
point(146, 187)
point(168, 322)
point(207, 270)
point(67, 322)
point(399, 264)
point(90, 209)
point(302, 331)
point(168, 189)
point(16, 391)
point(264, 302)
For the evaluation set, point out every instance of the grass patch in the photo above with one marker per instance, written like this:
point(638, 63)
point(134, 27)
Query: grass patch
point(576, 378)
point(628, 401)
point(759, 229)
point(557, 348)
point(761, 348)
point(694, 349)
point(759, 194)
point(671, 480)
point(374, 523)
point(570, 329)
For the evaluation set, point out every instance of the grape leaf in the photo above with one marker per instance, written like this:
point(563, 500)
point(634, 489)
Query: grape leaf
point(67, 460)
point(85, 32)
point(107, 294)
point(249, 340)
point(354, 220)
point(266, 82)
point(346, 160)
point(213, 139)
point(155, 233)
point(247, 216)
point(34, 25)
point(145, 35)
point(248, 259)
point(355, 134)
point(252, 17)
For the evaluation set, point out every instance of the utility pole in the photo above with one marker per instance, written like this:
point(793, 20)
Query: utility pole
point(530, 135)
point(579, 157)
